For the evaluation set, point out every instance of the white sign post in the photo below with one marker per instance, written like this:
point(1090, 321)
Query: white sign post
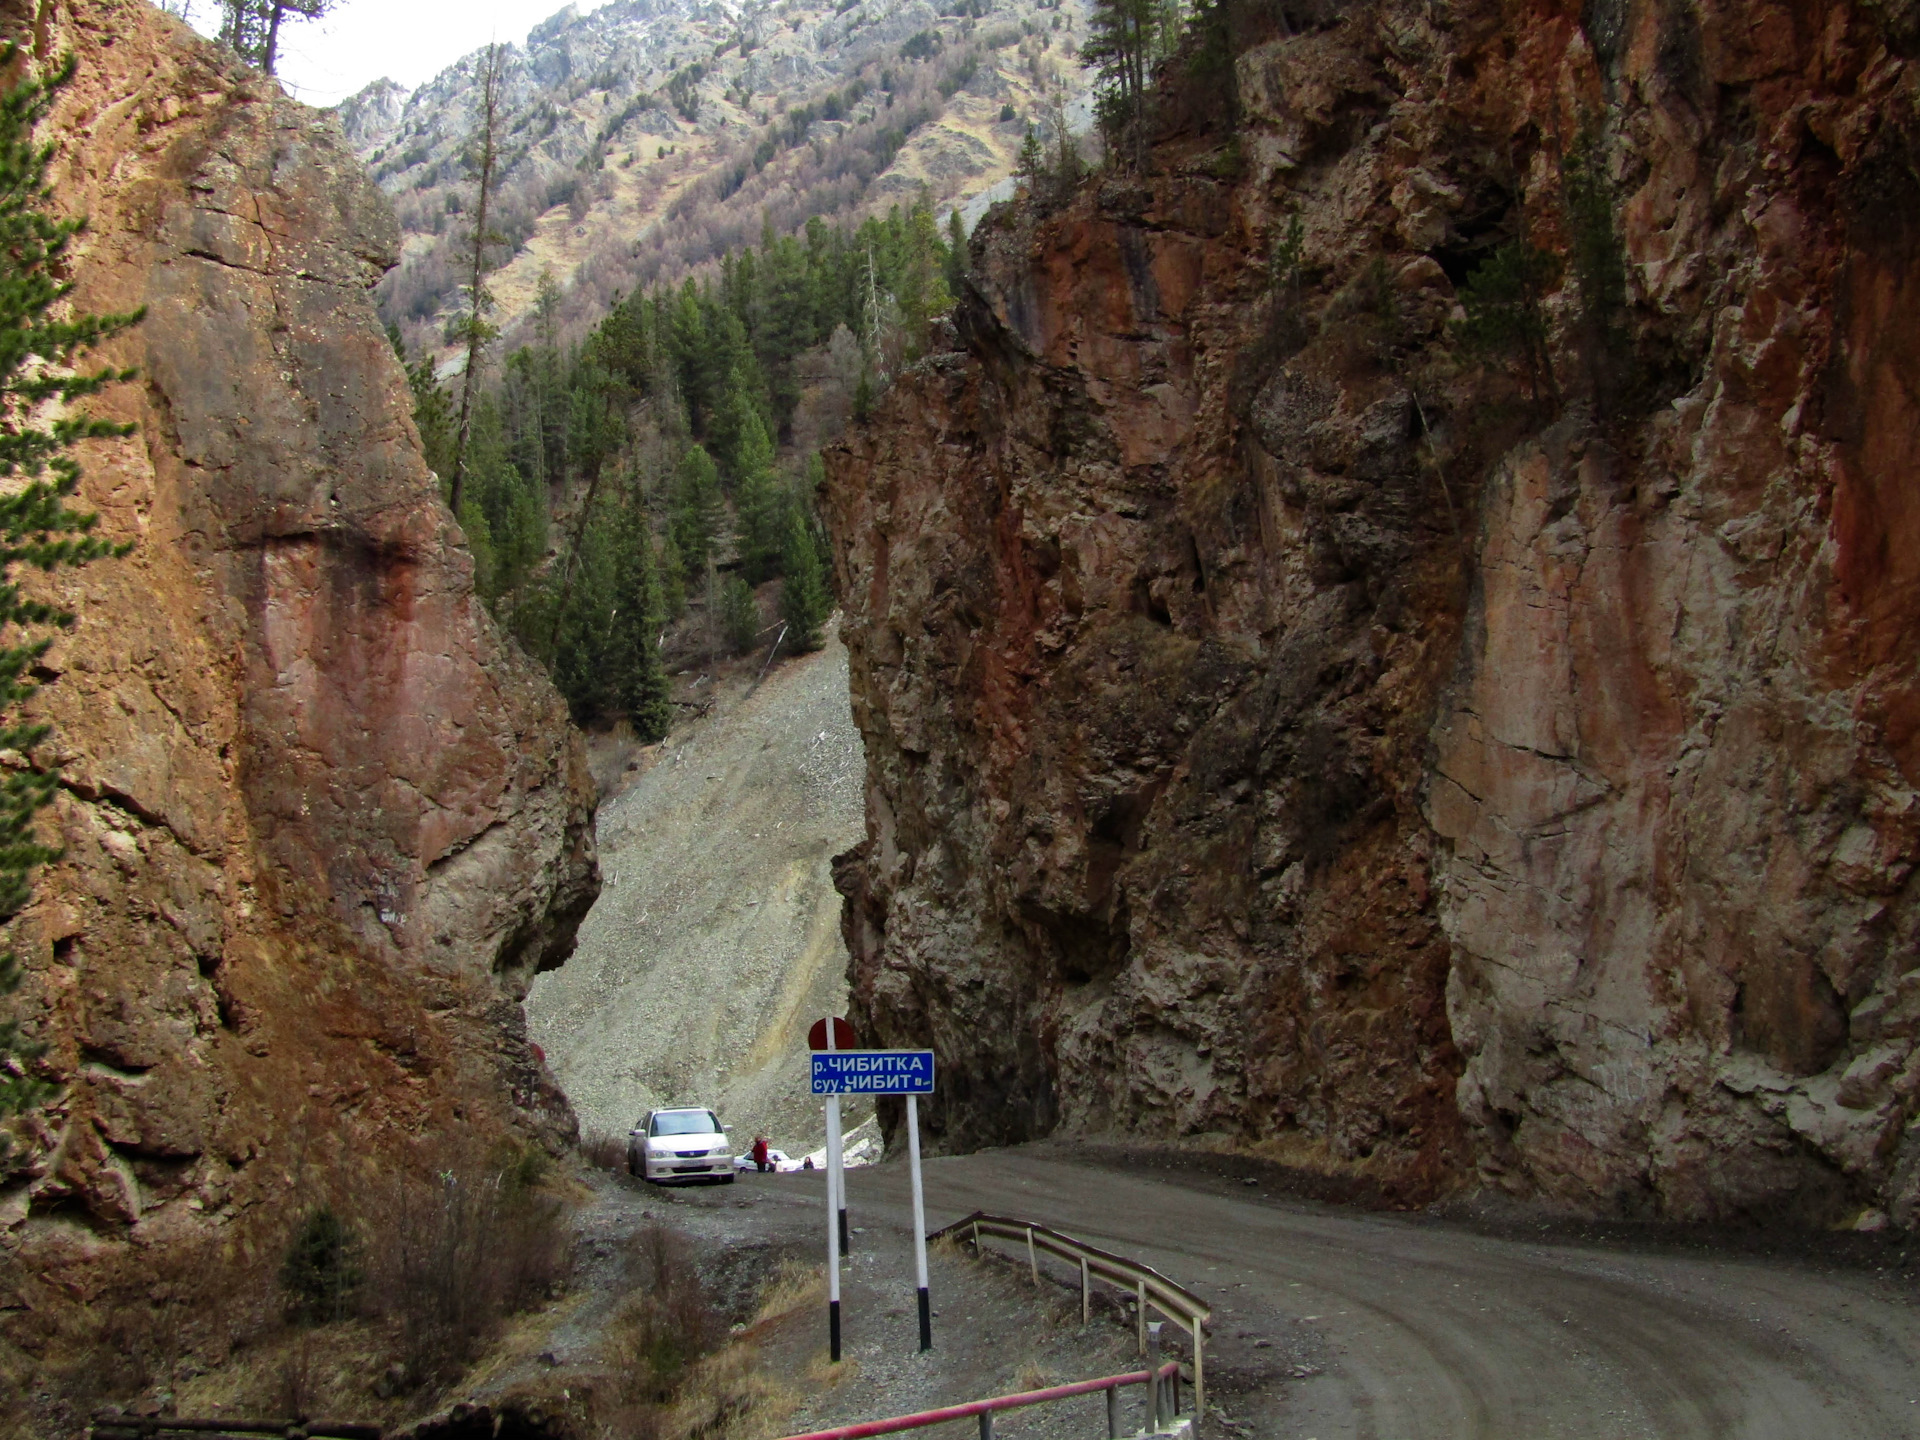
point(836, 1212)
point(882, 1072)
point(919, 1220)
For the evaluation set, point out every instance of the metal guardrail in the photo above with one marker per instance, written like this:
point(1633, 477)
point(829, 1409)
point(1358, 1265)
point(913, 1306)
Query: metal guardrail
point(1162, 1419)
point(156, 1427)
point(1148, 1285)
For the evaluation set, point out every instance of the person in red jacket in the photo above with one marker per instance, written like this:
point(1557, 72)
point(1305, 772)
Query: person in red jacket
point(760, 1154)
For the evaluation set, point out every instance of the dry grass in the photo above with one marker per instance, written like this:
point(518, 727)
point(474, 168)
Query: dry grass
point(1031, 1376)
point(667, 1380)
point(730, 1396)
point(604, 1150)
point(793, 1286)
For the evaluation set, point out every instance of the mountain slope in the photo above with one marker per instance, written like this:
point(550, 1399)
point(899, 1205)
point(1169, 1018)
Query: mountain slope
point(717, 939)
point(649, 136)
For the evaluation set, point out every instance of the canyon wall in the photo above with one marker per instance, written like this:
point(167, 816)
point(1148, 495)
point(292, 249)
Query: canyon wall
point(322, 822)
point(1294, 728)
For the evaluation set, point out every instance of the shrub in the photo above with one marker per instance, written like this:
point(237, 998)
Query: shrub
point(666, 1324)
point(1505, 322)
point(1599, 263)
point(459, 1253)
point(322, 1270)
point(604, 1150)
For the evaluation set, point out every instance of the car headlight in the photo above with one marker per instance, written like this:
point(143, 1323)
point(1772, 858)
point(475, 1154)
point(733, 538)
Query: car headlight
point(721, 1150)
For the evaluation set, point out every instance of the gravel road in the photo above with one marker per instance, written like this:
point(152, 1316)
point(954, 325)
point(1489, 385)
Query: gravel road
point(1332, 1323)
point(717, 933)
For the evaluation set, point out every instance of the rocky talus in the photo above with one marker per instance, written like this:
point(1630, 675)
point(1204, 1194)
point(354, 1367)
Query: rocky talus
point(321, 823)
point(1292, 728)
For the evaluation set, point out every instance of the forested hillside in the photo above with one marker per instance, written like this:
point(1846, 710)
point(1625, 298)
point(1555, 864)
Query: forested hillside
point(647, 139)
point(614, 488)
point(710, 234)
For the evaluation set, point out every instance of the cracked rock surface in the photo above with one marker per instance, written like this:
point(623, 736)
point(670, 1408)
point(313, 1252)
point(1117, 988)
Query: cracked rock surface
point(1285, 733)
point(322, 823)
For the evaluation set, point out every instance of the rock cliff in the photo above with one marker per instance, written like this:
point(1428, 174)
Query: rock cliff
point(1292, 728)
point(322, 824)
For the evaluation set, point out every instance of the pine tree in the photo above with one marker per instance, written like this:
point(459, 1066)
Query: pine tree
point(803, 591)
point(433, 415)
point(672, 571)
point(251, 28)
point(1031, 166)
point(1123, 39)
point(474, 328)
point(39, 348)
point(956, 251)
point(640, 680)
point(739, 614)
point(697, 508)
point(759, 504)
point(579, 608)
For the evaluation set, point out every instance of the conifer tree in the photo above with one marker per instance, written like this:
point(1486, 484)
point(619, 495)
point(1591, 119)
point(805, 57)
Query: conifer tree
point(640, 680)
point(1123, 39)
point(759, 504)
point(696, 509)
point(474, 327)
point(956, 251)
point(1031, 166)
point(803, 590)
point(433, 415)
point(672, 571)
point(251, 28)
point(739, 615)
point(39, 348)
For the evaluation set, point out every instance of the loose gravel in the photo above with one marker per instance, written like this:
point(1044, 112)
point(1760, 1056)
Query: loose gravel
point(716, 938)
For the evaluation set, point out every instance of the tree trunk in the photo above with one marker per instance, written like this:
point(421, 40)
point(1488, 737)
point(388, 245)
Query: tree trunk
point(273, 38)
point(476, 325)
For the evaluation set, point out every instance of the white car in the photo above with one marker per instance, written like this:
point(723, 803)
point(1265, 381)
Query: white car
point(781, 1162)
point(689, 1144)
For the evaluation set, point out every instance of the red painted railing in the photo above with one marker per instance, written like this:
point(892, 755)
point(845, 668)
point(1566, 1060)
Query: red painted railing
point(999, 1402)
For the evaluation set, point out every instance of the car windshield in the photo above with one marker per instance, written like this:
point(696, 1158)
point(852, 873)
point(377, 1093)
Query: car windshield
point(686, 1122)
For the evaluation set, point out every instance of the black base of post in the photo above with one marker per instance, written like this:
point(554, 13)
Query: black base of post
point(926, 1320)
point(833, 1330)
point(846, 1242)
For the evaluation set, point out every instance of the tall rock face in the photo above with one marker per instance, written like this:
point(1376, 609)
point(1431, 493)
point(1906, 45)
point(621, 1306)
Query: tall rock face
point(1296, 727)
point(322, 823)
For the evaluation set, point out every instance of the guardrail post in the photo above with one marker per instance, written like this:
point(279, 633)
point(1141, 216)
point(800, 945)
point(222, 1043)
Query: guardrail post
point(986, 1425)
point(1140, 1313)
point(1086, 1293)
point(1033, 1262)
point(1199, 1375)
point(1153, 1377)
point(1113, 1412)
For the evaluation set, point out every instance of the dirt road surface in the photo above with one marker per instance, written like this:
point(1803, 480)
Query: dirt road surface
point(1331, 1323)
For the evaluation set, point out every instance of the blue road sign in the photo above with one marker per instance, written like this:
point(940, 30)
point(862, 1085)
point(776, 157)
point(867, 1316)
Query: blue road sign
point(873, 1072)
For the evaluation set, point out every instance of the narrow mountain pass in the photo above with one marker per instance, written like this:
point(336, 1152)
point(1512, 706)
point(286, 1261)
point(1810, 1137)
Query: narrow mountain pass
point(716, 937)
point(1332, 1323)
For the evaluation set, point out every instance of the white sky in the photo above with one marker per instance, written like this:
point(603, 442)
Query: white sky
point(324, 61)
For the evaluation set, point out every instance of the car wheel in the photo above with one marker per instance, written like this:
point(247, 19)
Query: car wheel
point(729, 1178)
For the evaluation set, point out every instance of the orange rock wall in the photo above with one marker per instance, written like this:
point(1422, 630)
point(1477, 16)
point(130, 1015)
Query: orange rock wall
point(322, 822)
point(1290, 733)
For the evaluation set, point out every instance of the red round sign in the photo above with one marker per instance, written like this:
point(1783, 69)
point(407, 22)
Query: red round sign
point(843, 1036)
